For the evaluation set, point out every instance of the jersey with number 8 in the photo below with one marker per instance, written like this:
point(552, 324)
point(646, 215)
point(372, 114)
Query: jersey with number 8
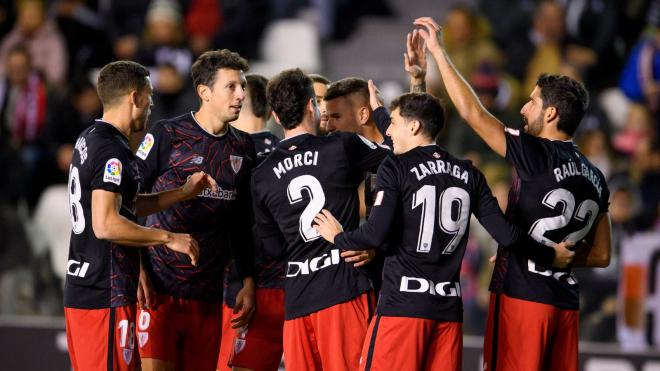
point(100, 274)
point(557, 195)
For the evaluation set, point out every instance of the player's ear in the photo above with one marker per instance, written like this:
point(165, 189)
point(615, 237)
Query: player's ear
point(134, 98)
point(204, 92)
point(363, 115)
point(415, 127)
point(551, 114)
point(277, 119)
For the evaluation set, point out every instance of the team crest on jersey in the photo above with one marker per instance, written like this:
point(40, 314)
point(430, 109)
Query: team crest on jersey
point(143, 337)
point(145, 146)
point(239, 345)
point(112, 172)
point(236, 162)
point(127, 355)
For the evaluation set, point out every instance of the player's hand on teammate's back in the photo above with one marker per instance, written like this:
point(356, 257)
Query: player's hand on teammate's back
point(431, 32)
point(375, 100)
point(563, 254)
point(146, 295)
point(197, 182)
point(185, 244)
point(326, 224)
point(359, 258)
point(245, 304)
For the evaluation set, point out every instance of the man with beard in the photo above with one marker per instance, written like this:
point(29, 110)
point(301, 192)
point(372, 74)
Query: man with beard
point(179, 326)
point(103, 267)
point(557, 195)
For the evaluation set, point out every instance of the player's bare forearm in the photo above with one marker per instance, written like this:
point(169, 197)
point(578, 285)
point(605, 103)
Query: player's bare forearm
point(109, 225)
point(148, 204)
point(597, 253)
point(461, 94)
point(489, 128)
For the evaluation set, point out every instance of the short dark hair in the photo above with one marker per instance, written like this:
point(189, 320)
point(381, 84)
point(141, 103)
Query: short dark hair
point(425, 108)
point(319, 78)
point(205, 68)
point(120, 78)
point(568, 96)
point(346, 86)
point(288, 93)
point(256, 87)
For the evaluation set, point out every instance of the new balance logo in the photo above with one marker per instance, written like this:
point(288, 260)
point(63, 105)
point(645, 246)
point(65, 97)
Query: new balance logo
point(74, 268)
point(422, 285)
point(315, 264)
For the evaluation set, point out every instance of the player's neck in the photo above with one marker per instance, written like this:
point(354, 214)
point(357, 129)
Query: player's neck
point(420, 141)
point(371, 132)
point(305, 127)
point(210, 123)
point(120, 120)
point(249, 124)
point(551, 133)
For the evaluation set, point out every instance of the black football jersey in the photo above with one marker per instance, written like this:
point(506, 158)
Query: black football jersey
point(424, 199)
point(221, 221)
point(101, 274)
point(269, 272)
point(304, 175)
point(556, 196)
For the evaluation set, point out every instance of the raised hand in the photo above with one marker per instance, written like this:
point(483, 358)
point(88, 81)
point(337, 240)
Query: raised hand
point(197, 182)
point(185, 244)
point(375, 99)
point(414, 60)
point(326, 224)
point(431, 32)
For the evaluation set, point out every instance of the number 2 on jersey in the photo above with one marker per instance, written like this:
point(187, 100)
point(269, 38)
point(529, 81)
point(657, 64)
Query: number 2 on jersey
point(453, 224)
point(316, 202)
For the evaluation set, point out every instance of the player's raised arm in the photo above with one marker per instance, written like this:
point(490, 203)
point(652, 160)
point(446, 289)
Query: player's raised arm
point(489, 128)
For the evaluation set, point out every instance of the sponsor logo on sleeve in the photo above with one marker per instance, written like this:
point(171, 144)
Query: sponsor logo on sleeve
point(145, 146)
point(112, 172)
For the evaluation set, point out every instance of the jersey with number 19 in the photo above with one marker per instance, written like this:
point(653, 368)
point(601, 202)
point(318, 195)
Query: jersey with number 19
point(303, 175)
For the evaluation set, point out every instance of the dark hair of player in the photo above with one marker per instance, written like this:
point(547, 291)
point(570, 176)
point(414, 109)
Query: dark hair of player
point(205, 68)
point(568, 96)
point(288, 93)
point(425, 108)
point(256, 87)
point(346, 86)
point(316, 78)
point(120, 78)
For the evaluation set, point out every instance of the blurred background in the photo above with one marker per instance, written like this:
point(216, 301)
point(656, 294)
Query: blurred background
point(50, 52)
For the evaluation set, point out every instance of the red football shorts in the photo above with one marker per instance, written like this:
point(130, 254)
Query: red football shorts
point(525, 335)
point(102, 339)
point(329, 339)
point(184, 332)
point(260, 346)
point(407, 343)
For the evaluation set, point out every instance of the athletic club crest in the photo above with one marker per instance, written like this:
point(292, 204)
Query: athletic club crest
point(128, 355)
point(236, 162)
point(143, 337)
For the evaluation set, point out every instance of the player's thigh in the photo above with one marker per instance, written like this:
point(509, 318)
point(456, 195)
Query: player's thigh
point(445, 347)
point(157, 332)
point(300, 346)
point(226, 341)
point(396, 343)
point(90, 331)
point(201, 335)
point(563, 354)
point(260, 346)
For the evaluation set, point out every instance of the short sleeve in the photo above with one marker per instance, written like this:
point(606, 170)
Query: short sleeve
point(153, 154)
point(526, 153)
point(110, 168)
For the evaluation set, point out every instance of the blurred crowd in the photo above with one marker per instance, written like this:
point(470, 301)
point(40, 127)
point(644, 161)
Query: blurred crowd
point(50, 50)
